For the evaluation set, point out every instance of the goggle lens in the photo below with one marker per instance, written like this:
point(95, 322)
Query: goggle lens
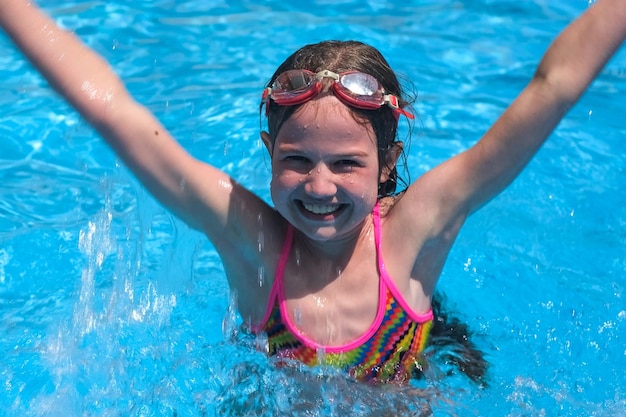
point(292, 83)
point(359, 84)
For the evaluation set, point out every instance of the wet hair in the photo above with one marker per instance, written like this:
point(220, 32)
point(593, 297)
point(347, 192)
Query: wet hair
point(452, 342)
point(341, 56)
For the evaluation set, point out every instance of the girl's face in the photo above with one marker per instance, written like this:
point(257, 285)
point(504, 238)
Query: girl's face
point(325, 170)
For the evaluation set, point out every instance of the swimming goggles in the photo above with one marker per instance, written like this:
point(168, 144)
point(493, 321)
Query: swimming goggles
point(354, 88)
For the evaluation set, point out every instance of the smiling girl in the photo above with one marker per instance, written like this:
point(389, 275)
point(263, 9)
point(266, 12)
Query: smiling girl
point(352, 262)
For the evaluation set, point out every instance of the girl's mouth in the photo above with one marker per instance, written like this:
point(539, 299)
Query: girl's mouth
point(322, 209)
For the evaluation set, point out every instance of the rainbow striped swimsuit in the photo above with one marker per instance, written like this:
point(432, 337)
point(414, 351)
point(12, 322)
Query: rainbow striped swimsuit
point(390, 350)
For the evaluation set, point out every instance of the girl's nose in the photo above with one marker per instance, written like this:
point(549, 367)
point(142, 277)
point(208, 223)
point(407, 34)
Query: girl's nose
point(320, 182)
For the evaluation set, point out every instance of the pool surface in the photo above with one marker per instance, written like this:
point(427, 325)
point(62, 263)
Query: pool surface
point(109, 306)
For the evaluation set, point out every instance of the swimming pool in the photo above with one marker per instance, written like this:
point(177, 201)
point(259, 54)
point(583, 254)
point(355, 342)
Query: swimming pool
point(109, 306)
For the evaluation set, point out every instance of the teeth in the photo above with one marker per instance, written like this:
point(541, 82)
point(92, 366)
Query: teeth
point(321, 208)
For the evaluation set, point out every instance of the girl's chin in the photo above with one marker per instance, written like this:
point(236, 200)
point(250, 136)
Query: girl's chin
point(322, 234)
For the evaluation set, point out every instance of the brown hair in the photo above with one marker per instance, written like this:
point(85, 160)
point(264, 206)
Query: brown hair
point(340, 56)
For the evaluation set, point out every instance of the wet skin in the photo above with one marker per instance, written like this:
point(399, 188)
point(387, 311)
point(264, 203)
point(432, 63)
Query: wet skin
point(325, 171)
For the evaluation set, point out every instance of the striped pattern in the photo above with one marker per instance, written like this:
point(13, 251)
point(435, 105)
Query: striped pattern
point(393, 353)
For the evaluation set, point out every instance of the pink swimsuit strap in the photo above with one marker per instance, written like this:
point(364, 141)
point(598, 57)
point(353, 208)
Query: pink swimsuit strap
point(384, 275)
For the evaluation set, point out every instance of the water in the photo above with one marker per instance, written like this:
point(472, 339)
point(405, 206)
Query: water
point(109, 306)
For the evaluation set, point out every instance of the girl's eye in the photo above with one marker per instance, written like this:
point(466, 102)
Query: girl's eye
point(348, 163)
point(296, 158)
point(297, 163)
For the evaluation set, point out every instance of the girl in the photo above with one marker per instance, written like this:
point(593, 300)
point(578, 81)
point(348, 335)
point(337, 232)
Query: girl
point(351, 266)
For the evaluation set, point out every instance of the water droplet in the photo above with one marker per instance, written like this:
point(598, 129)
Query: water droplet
point(321, 355)
point(467, 264)
point(261, 240)
point(298, 258)
point(297, 316)
point(319, 301)
point(262, 342)
point(261, 276)
point(225, 184)
point(4, 261)
point(229, 322)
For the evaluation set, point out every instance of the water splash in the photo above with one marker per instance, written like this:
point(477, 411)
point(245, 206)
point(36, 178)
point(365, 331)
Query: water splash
point(96, 244)
point(117, 352)
point(262, 342)
point(229, 322)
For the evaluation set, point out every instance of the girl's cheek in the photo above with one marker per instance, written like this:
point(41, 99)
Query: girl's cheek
point(286, 179)
point(279, 189)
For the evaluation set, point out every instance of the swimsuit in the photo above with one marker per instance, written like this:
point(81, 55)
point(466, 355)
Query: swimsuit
point(390, 350)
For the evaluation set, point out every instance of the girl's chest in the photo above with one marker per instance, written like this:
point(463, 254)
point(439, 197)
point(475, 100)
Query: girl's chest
point(329, 306)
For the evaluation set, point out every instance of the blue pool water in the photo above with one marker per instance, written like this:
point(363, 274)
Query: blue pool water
point(111, 307)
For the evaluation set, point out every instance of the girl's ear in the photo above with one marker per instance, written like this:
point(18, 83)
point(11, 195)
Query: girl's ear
point(391, 160)
point(265, 137)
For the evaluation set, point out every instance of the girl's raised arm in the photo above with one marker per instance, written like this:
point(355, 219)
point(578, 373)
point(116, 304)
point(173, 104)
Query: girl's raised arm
point(464, 183)
point(568, 67)
point(429, 216)
point(197, 192)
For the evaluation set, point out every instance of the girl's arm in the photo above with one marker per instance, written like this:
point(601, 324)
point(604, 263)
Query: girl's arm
point(464, 183)
point(430, 214)
point(570, 64)
point(202, 195)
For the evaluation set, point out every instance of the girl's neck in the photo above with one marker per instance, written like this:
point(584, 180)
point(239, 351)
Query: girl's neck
point(335, 250)
point(326, 261)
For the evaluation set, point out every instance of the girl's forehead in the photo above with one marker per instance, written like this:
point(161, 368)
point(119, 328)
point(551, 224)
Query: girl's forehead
point(325, 119)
